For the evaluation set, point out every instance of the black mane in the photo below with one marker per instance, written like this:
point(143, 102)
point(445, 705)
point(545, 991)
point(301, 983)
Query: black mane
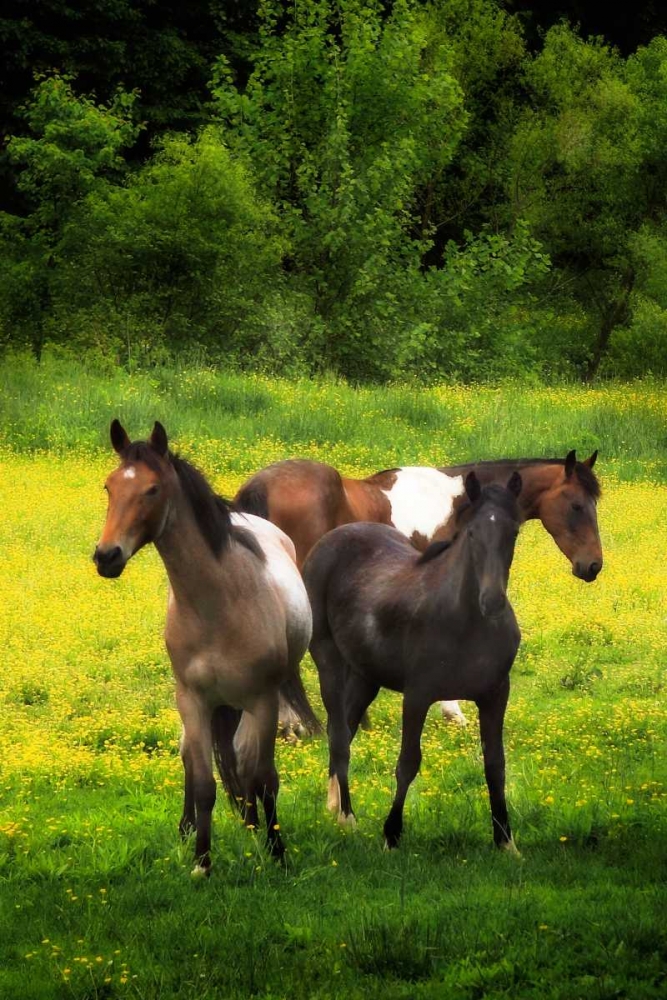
point(584, 473)
point(211, 511)
point(435, 549)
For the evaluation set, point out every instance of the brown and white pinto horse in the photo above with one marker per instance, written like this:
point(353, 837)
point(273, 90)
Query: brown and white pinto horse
point(238, 624)
point(307, 499)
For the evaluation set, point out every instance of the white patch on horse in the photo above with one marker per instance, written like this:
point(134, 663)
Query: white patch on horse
point(282, 569)
point(492, 517)
point(422, 500)
point(130, 472)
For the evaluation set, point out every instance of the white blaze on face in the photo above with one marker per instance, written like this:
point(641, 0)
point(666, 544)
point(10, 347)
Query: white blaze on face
point(422, 499)
point(130, 472)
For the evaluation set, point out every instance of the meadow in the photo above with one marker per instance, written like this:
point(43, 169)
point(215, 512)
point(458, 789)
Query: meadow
point(96, 898)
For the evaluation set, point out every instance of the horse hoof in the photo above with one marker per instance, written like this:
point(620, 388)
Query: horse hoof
point(454, 716)
point(199, 872)
point(347, 819)
point(509, 847)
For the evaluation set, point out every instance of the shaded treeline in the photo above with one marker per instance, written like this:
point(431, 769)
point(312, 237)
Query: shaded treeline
point(456, 188)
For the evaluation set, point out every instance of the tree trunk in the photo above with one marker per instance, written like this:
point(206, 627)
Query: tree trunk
point(613, 315)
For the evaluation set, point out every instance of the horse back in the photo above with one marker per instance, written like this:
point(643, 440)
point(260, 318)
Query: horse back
point(306, 499)
point(351, 567)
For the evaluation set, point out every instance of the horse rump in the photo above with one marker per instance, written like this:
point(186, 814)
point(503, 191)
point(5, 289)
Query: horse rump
point(252, 499)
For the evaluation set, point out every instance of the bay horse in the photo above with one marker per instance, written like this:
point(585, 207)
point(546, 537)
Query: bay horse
point(238, 624)
point(307, 499)
point(431, 626)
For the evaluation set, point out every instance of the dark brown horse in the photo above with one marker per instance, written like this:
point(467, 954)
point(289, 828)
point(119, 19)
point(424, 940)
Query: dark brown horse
point(307, 499)
point(238, 623)
point(433, 626)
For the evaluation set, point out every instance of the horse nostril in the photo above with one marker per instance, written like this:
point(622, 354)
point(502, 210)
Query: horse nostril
point(107, 556)
point(594, 569)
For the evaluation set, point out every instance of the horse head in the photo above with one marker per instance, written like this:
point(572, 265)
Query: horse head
point(138, 505)
point(568, 510)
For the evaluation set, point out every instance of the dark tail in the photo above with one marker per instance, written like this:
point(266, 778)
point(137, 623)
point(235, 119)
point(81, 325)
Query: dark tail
point(224, 723)
point(251, 499)
point(293, 693)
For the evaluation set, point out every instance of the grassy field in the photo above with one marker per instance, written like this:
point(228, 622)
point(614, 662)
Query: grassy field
point(96, 899)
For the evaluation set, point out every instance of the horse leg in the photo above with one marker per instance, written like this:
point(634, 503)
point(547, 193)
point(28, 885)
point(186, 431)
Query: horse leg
point(358, 697)
point(414, 716)
point(244, 750)
point(266, 776)
point(199, 780)
point(332, 671)
point(451, 712)
point(491, 718)
point(187, 823)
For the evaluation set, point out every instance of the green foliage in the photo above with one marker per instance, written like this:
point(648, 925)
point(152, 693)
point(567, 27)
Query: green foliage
point(182, 255)
point(345, 114)
point(381, 188)
point(72, 152)
point(587, 167)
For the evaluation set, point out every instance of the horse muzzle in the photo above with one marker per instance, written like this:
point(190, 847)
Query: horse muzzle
point(587, 571)
point(110, 562)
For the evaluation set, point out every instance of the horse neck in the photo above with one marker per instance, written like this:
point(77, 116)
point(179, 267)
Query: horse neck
point(536, 480)
point(192, 568)
point(455, 585)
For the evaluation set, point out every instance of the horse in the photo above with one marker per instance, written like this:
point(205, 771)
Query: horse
point(431, 626)
point(238, 624)
point(307, 499)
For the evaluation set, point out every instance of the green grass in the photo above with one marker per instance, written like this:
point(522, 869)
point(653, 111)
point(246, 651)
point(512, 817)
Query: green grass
point(93, 877)
point(63, 405)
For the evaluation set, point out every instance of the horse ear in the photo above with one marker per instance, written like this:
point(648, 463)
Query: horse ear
point(119, 439)
point(590, 462)
point(473, 489)
point(515, 483)
point(158, 439)
point(570, 462)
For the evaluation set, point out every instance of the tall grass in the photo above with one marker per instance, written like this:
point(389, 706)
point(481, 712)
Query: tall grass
point(61, 405)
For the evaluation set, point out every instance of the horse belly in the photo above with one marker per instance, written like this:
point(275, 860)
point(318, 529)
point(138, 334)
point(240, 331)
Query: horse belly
point(368, 654)
point(473, 672)
point(225, 680)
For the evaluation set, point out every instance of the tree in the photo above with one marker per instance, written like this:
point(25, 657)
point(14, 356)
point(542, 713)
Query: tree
point(74, 148)
point(587, 168)
point(347, 112)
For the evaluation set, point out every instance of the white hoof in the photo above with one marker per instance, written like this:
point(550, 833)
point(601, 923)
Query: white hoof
point(349, 820)
point(199, 872)
point(509, 847)
point(452, 713)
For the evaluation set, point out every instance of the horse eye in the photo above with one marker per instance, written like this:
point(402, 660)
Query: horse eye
point(577, 506)
point(153, 491)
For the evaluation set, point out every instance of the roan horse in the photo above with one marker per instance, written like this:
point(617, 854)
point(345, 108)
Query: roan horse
point(238, 623)
point(432, 626)
point(307, 499)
